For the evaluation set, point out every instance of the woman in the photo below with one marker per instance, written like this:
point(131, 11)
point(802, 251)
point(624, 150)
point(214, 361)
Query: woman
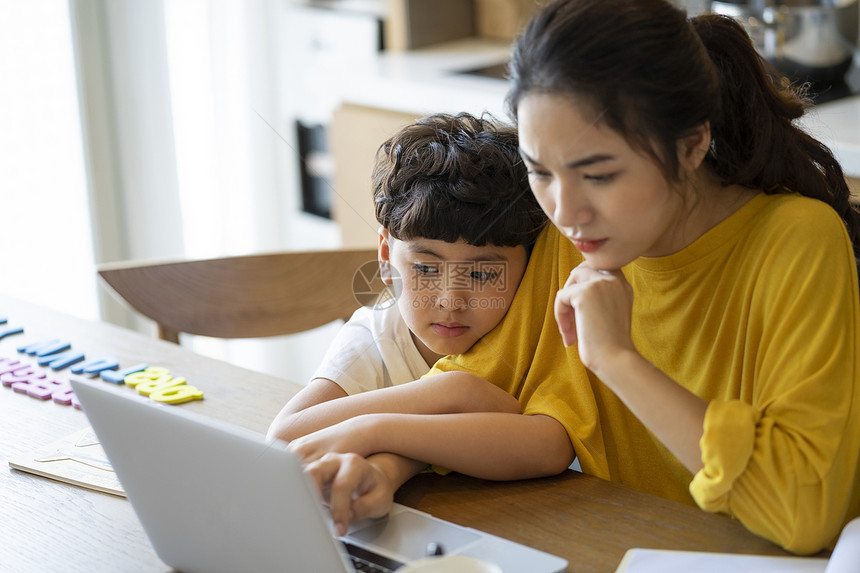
point(693, 320)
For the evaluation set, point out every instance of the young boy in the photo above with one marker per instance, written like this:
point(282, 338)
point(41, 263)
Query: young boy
point(457, 220)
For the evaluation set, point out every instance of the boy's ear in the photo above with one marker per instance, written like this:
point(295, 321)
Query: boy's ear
point(384, 256)
point(693, 148)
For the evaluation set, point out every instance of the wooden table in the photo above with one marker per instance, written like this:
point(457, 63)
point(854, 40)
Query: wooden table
point(50, 526)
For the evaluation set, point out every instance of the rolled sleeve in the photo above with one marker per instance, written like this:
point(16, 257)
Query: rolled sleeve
point(727, 445)
point(790, 487)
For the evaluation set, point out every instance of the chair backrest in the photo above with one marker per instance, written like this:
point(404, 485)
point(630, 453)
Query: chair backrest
point(245, 296)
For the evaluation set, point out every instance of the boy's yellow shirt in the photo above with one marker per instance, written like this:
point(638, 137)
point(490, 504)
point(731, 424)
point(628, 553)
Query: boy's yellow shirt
point(760, 317)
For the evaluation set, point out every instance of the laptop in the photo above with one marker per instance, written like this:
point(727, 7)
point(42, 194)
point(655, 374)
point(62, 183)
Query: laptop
point(213, 497)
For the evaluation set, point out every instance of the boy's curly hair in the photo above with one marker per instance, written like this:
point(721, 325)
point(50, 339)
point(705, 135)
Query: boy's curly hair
point(456, 177)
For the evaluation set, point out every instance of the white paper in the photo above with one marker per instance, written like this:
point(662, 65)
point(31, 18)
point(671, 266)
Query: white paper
point(657, 561)
point(844, 559)
point(846, 555)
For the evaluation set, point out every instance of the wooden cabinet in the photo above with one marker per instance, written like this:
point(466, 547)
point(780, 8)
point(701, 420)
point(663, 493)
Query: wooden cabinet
point(356, 134)
point(854, 185)
point(503, 19)
point(412, 24)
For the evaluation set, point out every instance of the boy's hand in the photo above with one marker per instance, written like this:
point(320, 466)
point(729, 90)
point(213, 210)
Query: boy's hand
point(350, 436)
point(357, 487)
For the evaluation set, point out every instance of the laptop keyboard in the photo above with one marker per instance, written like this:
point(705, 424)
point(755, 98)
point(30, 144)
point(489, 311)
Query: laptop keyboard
point(369, 562)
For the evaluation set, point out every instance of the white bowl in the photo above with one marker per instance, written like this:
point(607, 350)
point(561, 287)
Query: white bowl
point(450, 564)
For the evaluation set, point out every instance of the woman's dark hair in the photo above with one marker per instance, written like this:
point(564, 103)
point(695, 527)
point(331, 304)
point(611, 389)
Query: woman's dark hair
point(456, 177)
point(655, 76)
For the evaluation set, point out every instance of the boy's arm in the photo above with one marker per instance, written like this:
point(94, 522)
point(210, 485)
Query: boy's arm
point(449, 392)
point(318, 391)
point(487, 445)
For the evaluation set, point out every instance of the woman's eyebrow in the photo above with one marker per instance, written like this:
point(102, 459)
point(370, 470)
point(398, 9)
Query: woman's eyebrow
point(584, 162)
point(590, 160)
point(526, 156)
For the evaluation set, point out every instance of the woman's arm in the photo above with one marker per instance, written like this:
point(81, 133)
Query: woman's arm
point(650, 395)
point(593, 311)
point(451, 392)
point(486, 445)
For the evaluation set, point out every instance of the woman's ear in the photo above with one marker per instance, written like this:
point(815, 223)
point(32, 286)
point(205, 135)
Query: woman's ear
point(384, 256)
point(693, 148)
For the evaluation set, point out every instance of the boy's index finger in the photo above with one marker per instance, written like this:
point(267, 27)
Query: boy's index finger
point(346, 476)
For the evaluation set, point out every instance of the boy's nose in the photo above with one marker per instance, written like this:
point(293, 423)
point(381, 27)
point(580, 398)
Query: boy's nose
point(450, 301)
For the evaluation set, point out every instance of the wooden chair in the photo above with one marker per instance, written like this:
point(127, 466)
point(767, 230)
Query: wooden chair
point(245, 296)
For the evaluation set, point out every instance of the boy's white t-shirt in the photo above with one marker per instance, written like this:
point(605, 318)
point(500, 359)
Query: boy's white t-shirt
point(374, 349)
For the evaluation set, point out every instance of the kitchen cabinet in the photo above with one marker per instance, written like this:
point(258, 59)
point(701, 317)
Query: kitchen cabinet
point(412, 24)
point(504, 19)
point(356, 134)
